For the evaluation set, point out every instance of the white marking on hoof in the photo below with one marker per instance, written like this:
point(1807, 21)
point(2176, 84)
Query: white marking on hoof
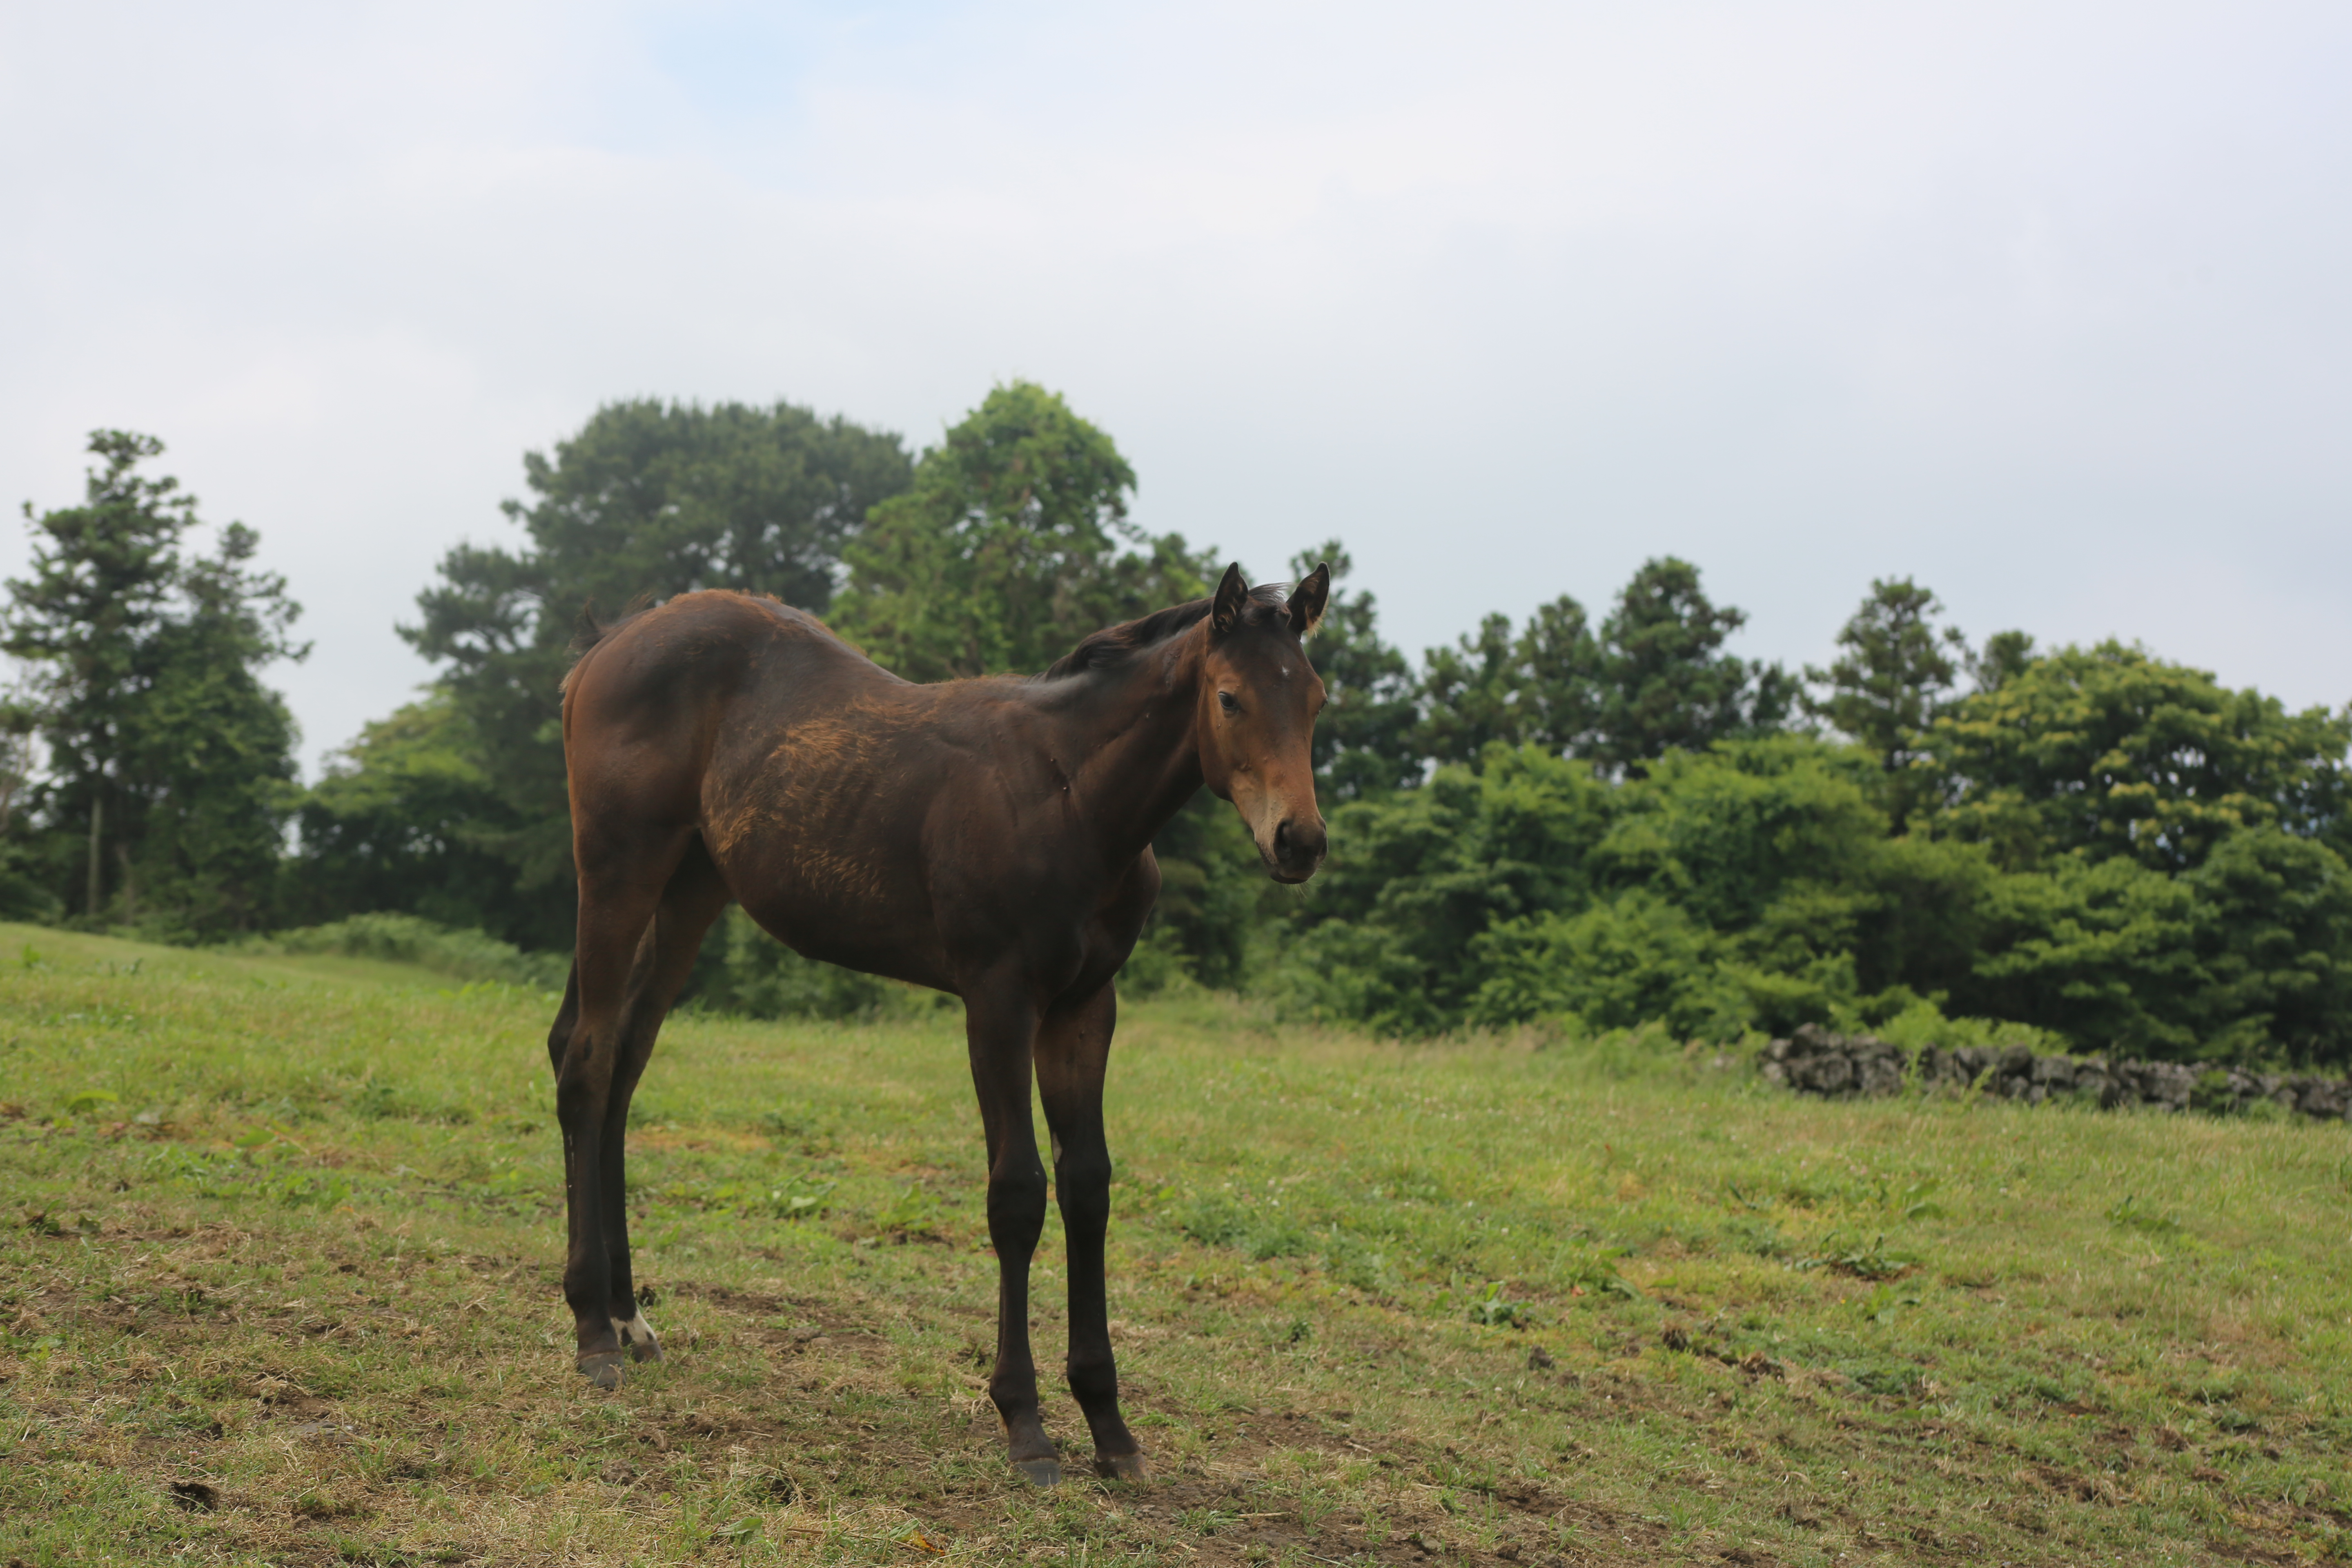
point(639, 1336)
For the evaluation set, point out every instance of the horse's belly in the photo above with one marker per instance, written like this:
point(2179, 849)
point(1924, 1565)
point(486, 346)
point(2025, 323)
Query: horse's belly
point(828, 905)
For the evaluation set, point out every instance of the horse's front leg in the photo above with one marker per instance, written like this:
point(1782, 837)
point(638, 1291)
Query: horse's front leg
point(1000, 1027)
point(1073, 1050)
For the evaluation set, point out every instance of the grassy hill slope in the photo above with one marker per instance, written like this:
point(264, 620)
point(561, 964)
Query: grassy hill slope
point(284, 1232)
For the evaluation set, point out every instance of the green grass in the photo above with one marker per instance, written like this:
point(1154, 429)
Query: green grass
point(289, 1228)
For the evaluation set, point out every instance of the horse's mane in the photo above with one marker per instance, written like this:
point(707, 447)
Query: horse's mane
point(1113, 645)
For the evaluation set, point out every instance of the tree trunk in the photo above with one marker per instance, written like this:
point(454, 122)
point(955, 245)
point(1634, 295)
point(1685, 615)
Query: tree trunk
point(97, 865)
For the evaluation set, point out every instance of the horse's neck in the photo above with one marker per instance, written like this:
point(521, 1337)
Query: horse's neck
point(1138, 759)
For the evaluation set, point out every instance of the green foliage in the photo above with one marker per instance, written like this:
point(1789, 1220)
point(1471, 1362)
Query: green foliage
point(1721, 889)
point(748, 973)
point(1388, 924)
point(405, 818)
point(1665, 682)
point(1364, 740)
point(1011, 545)
point(2275, 939)
point(1542, 688)
point(2109, 751)
point(2247, 958)
point(170, 765)
point(404, 939)
point(648, 500)
point(1654, 680)
point(1889, 682)
point(1211, 888)
point(1619, 962)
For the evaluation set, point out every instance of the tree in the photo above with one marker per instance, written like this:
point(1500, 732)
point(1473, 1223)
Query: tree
point(1468, 692)
point(404, 820)
point(1538, 688)
point(649, 499)
point(1364, 740)
point(1665, 682)
point(2004, 654)
point(22, 896)
point(1890, 681)
point(1011, 544)
point(163, 744)
point(2110, 751)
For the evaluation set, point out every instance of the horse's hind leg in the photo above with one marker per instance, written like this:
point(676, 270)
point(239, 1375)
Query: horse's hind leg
point(694, 898)
point(1073, 1049)
point(623, 878)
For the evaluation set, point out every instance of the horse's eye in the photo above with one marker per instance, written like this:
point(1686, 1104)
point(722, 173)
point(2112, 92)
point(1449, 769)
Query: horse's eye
point(1225, 700)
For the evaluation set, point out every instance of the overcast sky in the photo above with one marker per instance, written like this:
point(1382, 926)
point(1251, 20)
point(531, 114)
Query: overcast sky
point(2046, 305)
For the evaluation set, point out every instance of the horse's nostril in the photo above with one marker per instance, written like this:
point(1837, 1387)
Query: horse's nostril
point(1282, 840)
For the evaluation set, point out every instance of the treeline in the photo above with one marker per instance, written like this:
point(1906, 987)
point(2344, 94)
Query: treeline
point(1571, 822)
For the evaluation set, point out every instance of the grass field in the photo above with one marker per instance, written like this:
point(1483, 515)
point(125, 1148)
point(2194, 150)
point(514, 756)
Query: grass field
point(283, 1233)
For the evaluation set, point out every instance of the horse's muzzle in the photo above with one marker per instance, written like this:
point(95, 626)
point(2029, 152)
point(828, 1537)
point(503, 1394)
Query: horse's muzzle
point(1298, 849)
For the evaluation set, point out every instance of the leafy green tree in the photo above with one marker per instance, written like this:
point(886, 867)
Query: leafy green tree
point(2275, 935)
point(1665, 682)
point(1211, 893)
point(21, 714)
point(22, 894)
point(2004, 654)
point(649, 499)
point(404, 820)
point(1364, 742)
point(1890, 681)
point(165, 748)
point(1469, 692)
point(1617, 963)
point(1011, 544)
point(1542, 687)
point(1387, 928)
point(2109, 751)
point(2105, 952)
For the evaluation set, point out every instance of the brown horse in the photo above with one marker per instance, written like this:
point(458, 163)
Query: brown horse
point(989, 839)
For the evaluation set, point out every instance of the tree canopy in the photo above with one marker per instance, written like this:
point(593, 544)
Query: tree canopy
point(2109, 751)
point(1553, 823)
point(1011, 544)
point(170, 764)
point(647, 500)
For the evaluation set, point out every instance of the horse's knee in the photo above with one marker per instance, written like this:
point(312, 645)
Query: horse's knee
point(583, 1079)
point(1082, 1186)
point(1016, 1204)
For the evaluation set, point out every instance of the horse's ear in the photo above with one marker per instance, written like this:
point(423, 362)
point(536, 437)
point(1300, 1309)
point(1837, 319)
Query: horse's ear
point(1307, 600)
point(1233, 593)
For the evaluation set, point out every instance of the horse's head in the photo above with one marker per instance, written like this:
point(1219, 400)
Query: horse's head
point(1259, 697)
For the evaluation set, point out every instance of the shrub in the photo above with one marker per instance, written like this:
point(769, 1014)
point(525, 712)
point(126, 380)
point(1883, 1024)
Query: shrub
point(407, 938)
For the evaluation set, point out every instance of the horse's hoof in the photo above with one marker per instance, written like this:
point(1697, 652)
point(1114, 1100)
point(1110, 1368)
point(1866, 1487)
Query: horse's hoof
point(1040, 1472)
point(639, 1336)
point(1120, 1466)
point(601, 1368)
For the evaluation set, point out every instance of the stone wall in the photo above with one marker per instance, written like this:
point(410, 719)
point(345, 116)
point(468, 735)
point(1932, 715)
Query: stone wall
point(1850, 1067)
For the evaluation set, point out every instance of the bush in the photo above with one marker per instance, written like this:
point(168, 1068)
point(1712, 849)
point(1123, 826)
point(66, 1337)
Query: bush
point(406, 939)
point(1621, 963)
point(745, 972)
